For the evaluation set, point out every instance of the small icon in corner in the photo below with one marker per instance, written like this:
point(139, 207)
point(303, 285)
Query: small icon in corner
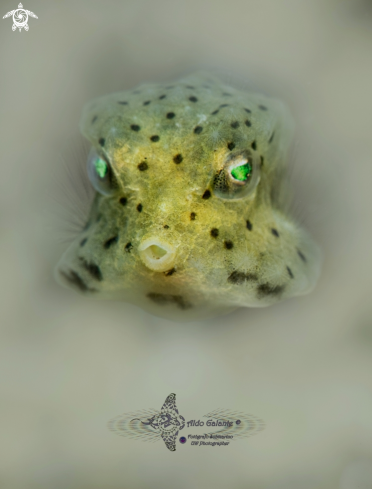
point(183, 439)
point(20, 18)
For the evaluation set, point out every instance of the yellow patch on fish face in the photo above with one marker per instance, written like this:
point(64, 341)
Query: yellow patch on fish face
point(188, 218)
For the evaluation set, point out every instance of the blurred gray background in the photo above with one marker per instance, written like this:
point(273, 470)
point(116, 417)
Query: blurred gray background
point(69, 364)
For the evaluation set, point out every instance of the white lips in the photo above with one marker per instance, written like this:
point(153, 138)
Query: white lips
point(156, 254)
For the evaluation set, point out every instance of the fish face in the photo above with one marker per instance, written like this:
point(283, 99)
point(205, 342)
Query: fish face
point(189, 214)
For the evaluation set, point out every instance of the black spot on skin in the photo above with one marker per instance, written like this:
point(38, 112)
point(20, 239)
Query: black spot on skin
point(275, 232)
point(225, 94)
point(231, 146)
point(94, 119)
point(147, 102)
point(192, 216)
point(162, 97)
point(128, 247)
point(169, 272)
point(290, 272)
point(267, 289)
point(235, 125)
point(249, 225)
point(180, 302)
point(272, 137)
point(198, 129)
point(166, 226)
point(302, 256)
point(163, 299)
point(92, 269)
point(190, 86)
point(102, 141)
point(239, 278)
point(224, 105)
point(110, 242)
point(143, 166)
point(193, 99)
point(83, 241)
point(214, 232)
point(262, 107)
point(160, 299)
point(123, 201)
point(75, 279)
point(254, 145)
point(262, 160)
point(98, 217)
point(178, 159)
point(228, 245)
point(135, 127)
point(122, 102)
point(249, 111)
point(206, 194)
point(248, 123)
point(170, 115)
point(139, 207)
point(215, 112)
point(155, 138)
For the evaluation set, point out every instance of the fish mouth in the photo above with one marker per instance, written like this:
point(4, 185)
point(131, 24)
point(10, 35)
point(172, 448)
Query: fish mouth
point(158, 255)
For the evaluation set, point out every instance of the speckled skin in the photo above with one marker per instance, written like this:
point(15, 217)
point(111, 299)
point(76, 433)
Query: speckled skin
point(271, 257)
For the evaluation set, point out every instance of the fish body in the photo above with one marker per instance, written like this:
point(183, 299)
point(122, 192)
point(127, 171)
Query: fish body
point(190, 215)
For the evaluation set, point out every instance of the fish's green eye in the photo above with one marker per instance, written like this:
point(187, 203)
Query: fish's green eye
point(101, 167)
point(100, 173)
point(241, 172)
point(238, 177)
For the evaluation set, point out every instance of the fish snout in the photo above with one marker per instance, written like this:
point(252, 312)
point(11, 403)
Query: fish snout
point(157, 254)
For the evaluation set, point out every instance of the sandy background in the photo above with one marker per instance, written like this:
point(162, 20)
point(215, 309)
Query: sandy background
point(68, 364)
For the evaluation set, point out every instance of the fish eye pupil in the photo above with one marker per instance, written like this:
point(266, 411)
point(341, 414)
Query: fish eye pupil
point(241, 172)
point(100, 167)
